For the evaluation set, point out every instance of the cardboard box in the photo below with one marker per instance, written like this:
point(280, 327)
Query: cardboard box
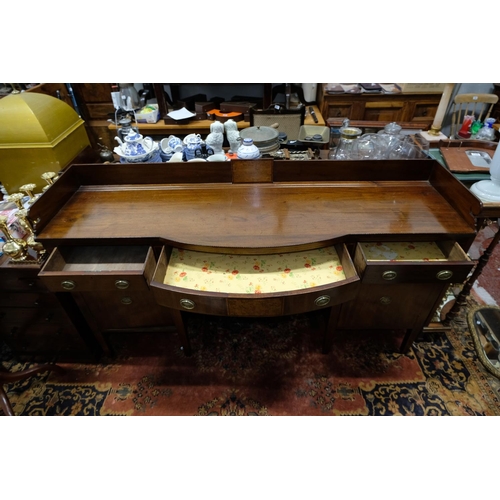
point(151, 116)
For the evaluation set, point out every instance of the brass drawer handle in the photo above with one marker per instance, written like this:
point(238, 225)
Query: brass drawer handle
point(322, 300)
point(385, 300)
point(389, 275)
point(68, 285)
point(444, 275)
point(187, 304)
point(122, 284)
point(126, 300)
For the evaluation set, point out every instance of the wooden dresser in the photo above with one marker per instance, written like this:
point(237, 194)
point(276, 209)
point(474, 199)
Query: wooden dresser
point(410, 110)
point(119, 235)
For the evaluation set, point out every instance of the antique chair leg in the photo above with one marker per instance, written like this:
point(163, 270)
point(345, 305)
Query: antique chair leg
point(5, 403)
point(10, 377)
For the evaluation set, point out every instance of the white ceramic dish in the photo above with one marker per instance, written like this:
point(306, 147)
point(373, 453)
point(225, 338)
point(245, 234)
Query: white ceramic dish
point(218, 157)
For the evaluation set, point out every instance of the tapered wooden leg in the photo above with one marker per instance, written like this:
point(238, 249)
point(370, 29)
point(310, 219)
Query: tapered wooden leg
point(181, 329)
point(330, 329)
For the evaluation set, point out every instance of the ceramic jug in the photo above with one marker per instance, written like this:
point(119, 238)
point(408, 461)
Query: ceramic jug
point(248, 150)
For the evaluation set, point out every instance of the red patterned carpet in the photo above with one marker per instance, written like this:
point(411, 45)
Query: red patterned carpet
point(268, 367)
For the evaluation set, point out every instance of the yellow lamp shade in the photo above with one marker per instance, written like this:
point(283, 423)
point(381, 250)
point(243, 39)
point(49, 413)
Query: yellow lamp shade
point(38, 133)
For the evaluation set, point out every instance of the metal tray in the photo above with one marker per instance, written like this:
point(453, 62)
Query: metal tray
point(479, 158)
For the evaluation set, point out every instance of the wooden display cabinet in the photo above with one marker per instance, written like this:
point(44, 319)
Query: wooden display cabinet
point(414, 110)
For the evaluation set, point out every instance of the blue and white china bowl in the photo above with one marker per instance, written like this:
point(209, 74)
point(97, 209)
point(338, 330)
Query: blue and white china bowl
point(153, 157)
point(143, 158)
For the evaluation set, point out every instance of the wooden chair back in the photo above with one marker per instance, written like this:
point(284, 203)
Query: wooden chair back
point(288, 120)
point(479, 105)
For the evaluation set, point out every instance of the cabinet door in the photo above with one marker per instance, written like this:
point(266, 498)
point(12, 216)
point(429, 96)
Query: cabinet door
point(384, 110)
point(424, 112)
point(334, 107)
point(123, 310)
point(399, 306)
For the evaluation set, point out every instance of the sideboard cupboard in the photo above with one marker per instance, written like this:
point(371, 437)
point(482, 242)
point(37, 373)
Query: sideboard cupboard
point(413, 110)
point(369, 245)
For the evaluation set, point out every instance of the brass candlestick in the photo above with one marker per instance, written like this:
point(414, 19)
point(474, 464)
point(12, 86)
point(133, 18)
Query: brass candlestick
point(22, 216)
point(49, 177)
point(16, 198)
point(15, 248)
point(28, 189)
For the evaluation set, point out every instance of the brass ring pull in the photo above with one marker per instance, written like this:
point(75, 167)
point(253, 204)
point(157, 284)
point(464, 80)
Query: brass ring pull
point(389, 275)
point(121, 284)
point(385, 300)
point(187, 304)
point(322, 300)
point(68, 285)
point(444, 275)
point(126, 300)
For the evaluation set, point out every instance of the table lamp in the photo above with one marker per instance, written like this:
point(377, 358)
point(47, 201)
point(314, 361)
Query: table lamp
point(435, 134)
point(489, 190)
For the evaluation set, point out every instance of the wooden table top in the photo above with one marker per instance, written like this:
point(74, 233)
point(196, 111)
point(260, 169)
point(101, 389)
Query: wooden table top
point(249, 217)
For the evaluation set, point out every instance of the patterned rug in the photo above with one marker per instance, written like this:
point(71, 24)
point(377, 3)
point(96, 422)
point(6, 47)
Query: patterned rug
point(267, 367)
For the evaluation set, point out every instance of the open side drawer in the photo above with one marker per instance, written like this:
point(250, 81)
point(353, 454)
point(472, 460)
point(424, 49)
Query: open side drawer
point(98, 268)
point(254, 285)
point(411, 262)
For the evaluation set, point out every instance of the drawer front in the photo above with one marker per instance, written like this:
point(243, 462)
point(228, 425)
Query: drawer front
point(68, 271)
point(24, 317)
point(184, 300)
point(455, 269)
point(90, 283)
point(403, 272)
point(20, 281)
point(30, 299)
point(319, 299)
point(258, 304)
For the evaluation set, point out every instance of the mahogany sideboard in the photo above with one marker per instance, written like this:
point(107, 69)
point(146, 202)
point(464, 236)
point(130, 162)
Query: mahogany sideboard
point(112, 230)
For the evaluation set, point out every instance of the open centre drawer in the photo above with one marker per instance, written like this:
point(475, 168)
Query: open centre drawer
point(411, 262)
point(98, 268)
point(254, 285)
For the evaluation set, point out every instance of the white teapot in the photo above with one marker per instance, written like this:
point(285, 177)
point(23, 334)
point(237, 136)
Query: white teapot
point(134, 144)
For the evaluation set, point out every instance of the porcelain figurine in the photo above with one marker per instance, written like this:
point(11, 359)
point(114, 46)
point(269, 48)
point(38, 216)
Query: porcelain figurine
point(216, 137)
point(233, 135)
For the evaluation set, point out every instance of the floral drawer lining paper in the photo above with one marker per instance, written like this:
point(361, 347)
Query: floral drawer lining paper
point(410, 250)
point(253, 273)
